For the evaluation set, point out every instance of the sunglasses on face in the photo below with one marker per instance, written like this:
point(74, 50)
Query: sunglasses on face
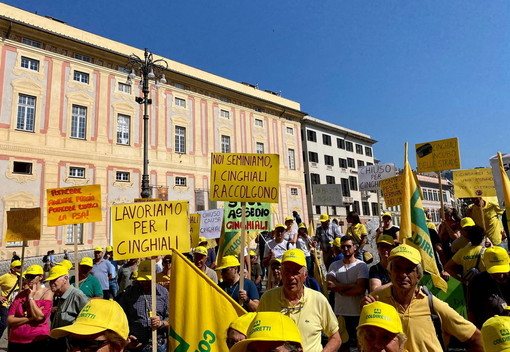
point(84, 345)
point(167, 261)
point(346, 246)
point(30, 276)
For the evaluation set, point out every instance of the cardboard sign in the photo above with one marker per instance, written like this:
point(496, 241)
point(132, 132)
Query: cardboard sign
point(150, 229)
point(393, 190)
point(257, 215)
point(438, 155)
point(73, 205)
point(497, 175)
point(245, 177)
point(194, 233)
point(330, 195)
point(210, 223)
point(474, 183)
point(370, 176)
point(23, 225)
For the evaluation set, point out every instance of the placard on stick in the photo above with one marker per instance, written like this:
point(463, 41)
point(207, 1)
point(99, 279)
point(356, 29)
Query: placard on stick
point(474, 183)
point(329, 195)
point(258, 216)
point(73, 205)
point(393, 190)
point(438, 155)
point(23, 225)
point(369, 176)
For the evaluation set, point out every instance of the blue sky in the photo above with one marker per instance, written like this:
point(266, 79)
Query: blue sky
point(400, 71)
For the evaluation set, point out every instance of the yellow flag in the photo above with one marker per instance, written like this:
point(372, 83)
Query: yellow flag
point(200, 311)
point(413, 227)
point(506, 187)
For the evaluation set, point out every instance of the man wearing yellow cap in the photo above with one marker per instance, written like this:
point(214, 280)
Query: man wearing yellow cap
point(490, 221)
point(325, 234)
point(489, 292)
point(412, 304)
point(290, 233)
point(309, 309)
point(200, 258)
point(275, 247)
point(387, 228)
point(89, 284)
point(249, 296)
point(102, 270)
point(8, 284)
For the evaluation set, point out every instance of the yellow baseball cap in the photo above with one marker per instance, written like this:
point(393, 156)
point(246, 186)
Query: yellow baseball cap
point(275, 260)
point(15, 263)
point(202, 239)
point(252, 253)
point(495, 334)
point(386, 214)
point(98, 315)
point(66, 263)
point(324, 217)
point(56, 272)
point(406, 251)
point(289, 218)
point(109, 248)
point(242, 323)
point(336, 242)
point(34, 270)
point(200, 250)
point(98, 249)
point(269, 326)
point(381, 315)
point(294, 255)
point(386, 239)
point(465, 222)
point(496, 260)
point(228, 261)
point(279, 225)
point(87, 261)
point(144, 271)
point(302, 226)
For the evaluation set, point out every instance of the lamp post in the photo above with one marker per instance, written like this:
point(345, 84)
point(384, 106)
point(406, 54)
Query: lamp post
point(146, 67)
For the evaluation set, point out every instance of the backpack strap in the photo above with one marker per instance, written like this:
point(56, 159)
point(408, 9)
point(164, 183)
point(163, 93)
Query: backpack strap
point(479, 257)
point(436, 320)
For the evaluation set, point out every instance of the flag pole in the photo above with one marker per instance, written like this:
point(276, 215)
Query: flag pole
point(243, 246)
point(441, 211)
point(154, 309)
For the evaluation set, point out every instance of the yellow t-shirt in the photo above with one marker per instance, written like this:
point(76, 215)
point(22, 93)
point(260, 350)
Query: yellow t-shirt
point(312, 314)
point(418, 325)
point(493, 226)
point(357, 231)
point(7, 282)
point(467, 257)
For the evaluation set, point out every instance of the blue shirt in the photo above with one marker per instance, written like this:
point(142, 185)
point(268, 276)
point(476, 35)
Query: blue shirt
point(101, 270)
point(233, 291)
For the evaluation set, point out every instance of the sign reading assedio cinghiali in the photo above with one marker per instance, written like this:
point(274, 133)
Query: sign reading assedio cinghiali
point(245, 177)
point(149, 229)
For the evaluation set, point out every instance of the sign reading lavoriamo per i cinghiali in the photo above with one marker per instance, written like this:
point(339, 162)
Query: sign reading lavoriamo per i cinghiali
point(369, 176)
point(438, 155)
point(150, 229)
point(73, 205)
point(245, 177)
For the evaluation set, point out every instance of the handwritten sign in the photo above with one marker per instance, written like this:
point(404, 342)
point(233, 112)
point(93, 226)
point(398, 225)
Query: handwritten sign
point(210, 223)
point(258, 216)
point(73, 205)
point(149, 229)
point(438, 155)
point(497, 176)
point(245, 177)
point(327, 195)
point(474, 183)
point(369, 176)
point(194, 233)
point(23, 225)
point(393, 190)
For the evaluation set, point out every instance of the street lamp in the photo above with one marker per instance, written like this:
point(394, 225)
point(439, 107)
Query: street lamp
point(146, 67)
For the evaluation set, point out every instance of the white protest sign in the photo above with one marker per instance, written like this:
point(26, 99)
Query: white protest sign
point(497, 176)
point(370, 175)
point(210, 223)
point(327, 195)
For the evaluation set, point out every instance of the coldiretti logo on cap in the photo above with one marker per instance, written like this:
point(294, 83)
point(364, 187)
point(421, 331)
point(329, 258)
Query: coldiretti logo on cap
point(504, 332)
point(258, 327)
point(377, 311)
point(85, 314)
point(495, 260)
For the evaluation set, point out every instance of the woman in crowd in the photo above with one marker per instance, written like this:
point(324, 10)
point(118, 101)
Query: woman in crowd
point(388, 228)
point(379, 277)
point(358, 231)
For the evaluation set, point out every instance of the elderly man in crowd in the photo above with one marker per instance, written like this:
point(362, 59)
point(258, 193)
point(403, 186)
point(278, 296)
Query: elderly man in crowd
point(200, 258)
point(412, 304)
point(309, 309)
point(325, 234)
point(102, 269)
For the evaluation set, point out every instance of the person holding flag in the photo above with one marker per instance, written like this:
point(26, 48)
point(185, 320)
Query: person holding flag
point(249, 297)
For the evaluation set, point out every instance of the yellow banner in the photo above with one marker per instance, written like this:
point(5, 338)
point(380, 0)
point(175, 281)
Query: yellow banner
point(245, 177)
point(149, 229)
point(438, 155)
point(209, 308)
point(474, 183)
point(194, 222)
point(393, 190)
point(505, 182)
point(23, 225)
point(73, 205)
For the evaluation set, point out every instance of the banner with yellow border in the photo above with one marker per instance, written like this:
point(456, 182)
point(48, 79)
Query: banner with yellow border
point(73, 205)
point(438, 155)
point(474, 183)
point(23, 225)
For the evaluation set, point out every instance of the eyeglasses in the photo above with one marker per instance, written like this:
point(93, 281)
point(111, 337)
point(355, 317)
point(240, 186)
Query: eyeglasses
point(168, 261)
point(30, 276)
point(84, 345)
point(224, 270)
point(346, 246)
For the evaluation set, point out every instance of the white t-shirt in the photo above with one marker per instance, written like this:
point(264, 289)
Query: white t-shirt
point(302, 244)
point(278, 248)
point(348, 274)
point(288, 236)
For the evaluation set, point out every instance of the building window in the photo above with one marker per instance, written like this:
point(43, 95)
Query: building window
point(225, 114)
point(330, 180)
point(260, 148)
point(180, 181)
point(313, 157)
point(125, 88)
point(81, 77)
point(225, 144)
point(349, 146)
point(20, 167)
point(311, 136)
point(77, 172)
point(180, 102)
point(340, 143)
point(292, 159)
point(82, 57)
point(315, 179)
point(259, 123)
point(343, 163)
point(359, 149)
point(31, 42)
point(444, 197)
point(180, 139)
point(26, 113)
point(360, 163)
point(123, 128)
point(78, 122)
point(29, 63)
point(326, 139)
point(318, 209)
point(122, 176)
point(369, 163)
point(355, 206)
point(366, 208)
point(70, 234)
point(346, 192)
point(290, 130)
point(368, 151)
point(436, 196)
point(353, 183)
point(293, 191)
point(350, 162)
point(328, 160)
point(375, 209)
